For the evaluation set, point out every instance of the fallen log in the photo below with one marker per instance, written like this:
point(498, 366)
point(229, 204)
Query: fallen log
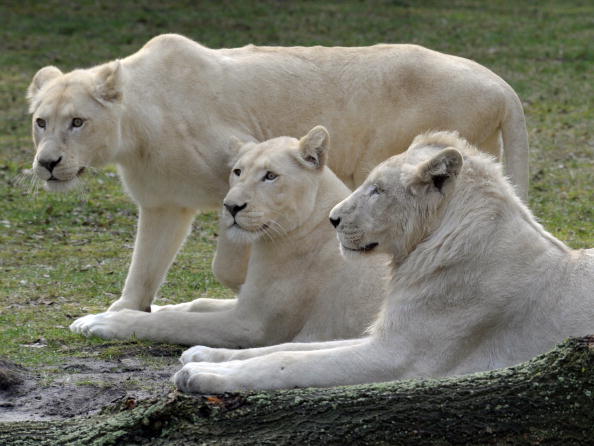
point(547, 400)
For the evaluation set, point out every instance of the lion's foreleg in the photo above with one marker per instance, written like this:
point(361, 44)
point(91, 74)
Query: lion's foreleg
point(355, 364)
point(229, 329)
point(230, 261)
point(202, 305)
point(202, 353)
point(161, 232)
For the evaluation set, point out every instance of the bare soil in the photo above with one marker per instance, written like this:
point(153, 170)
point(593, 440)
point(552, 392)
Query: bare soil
point(84, 386)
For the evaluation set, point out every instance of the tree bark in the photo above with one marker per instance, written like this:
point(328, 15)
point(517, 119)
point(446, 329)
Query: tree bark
point(547, 400)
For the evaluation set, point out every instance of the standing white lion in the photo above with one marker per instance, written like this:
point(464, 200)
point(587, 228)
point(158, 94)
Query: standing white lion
point(477, 283)
point(298, 286)
point(165, 114)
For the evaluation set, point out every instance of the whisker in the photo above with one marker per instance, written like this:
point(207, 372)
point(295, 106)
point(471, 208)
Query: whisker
point(281, 227)
point(275, 234)
point(82, 191)
point(273, 231)
point(277, 229)
point(276, 222)
point(34, 188)
point(266, 232)
point(27, 182)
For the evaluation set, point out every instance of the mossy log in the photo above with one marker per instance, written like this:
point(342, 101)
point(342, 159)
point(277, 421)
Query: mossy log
point(548, 400)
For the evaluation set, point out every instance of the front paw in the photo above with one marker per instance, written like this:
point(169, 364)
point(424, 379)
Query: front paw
point(200, 353)
point(202, 378)
point(109, 325)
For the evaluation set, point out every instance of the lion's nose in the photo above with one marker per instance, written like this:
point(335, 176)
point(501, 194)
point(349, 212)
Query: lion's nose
point(50, 164)
point(234, 208)
point(335, 221)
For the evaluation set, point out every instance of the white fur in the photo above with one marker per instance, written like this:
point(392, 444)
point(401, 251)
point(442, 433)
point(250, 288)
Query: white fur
point(165, 114)
point(298, 287)
point(477, 283)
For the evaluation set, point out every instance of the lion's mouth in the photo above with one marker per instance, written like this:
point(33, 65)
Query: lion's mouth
point(366, 248)
point(260, 229)
point(53, 179)
point(241, 234)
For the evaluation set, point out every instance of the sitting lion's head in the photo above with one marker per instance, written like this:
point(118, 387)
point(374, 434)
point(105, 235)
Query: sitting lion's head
point(75, 121)
point(273, 185)
point(400, 201)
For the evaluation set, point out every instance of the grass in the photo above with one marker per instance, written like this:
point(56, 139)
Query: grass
point(64, 256)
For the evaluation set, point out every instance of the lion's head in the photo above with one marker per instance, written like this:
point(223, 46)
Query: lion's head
point(273, 185)
point(400, 201)
point(75, 121)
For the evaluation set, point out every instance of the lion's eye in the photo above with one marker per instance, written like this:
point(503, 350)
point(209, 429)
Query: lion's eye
point(40, 123)
point(270, 176)
point(237, 172)
point(374, 190)
point(77, 122)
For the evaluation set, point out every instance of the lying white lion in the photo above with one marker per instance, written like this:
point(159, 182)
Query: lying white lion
point(298, 286)
point(477, 282)
point(165, 114)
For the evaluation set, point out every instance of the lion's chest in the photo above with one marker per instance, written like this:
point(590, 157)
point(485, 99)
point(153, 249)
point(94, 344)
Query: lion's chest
point(186, 183)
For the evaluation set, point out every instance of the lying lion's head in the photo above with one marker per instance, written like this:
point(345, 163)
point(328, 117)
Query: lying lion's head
point(75, 121)
point(396, 206)
point(273, 185)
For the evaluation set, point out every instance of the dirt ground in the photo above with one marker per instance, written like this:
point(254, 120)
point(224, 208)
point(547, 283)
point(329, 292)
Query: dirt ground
point(84, 386)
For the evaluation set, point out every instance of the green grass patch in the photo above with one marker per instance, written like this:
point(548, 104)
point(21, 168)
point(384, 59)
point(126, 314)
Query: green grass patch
point(64, 256)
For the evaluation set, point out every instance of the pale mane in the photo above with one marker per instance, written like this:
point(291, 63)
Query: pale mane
point(483, 200)
point(443, 139)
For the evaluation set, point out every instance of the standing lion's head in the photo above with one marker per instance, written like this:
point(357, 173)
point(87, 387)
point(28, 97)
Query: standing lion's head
point(75, 118)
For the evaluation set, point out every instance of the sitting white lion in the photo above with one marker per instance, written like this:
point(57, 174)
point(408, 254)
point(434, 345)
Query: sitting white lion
point(298, 287)
point(477, 283)
point(165, 114)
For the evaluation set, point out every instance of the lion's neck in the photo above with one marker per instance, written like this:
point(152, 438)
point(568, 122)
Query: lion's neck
point(156, 149)
point(484, 228)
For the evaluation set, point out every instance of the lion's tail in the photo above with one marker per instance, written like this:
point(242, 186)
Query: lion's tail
point(515, 145)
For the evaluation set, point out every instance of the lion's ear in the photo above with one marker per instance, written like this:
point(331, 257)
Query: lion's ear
point(313, 148)
point(441, 169)
point(43, 76)
point(108, 87)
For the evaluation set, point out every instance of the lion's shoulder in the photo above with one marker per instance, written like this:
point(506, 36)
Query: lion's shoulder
point(170, 41)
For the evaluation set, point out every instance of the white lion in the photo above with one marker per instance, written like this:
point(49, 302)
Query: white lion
point(298, 286)
point(477, 283)
point(165, 114)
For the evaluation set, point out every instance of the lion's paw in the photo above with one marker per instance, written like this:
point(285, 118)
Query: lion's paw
point(202, 378)
point(200, 353)
point(109, 325)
